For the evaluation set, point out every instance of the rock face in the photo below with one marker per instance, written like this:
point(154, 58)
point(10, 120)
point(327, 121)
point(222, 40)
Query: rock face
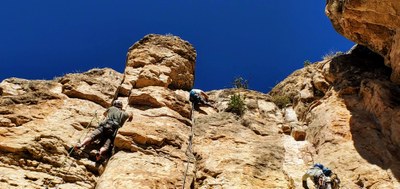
point(245, 152)
point(352, 126)
point(41, 120)
point(152, 146)
point(164, 61)
point(372, 23)
point(342, 113)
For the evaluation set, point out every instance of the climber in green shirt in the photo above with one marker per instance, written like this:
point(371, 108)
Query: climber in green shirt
point(115, 119)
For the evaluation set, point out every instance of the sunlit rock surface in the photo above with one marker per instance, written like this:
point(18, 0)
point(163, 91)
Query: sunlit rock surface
point(372, 23)
point(352, 126)
point(343, 113)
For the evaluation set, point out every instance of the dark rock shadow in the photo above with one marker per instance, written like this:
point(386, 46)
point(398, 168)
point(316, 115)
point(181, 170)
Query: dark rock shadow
point(89, 152)
point(372, 144)
point(198, 109)
point(369, 137)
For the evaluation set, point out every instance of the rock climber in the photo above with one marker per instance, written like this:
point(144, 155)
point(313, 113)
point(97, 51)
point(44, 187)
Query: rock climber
point(320, 175)
point(314, 173)
point(115, 119)
point(199, 97)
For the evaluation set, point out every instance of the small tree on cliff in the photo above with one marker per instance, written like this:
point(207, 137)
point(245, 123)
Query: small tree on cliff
point(236, 105)
point(240, 83)
point(281, 100)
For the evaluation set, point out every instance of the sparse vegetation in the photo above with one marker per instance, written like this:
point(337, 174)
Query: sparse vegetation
point(307, 63)
point(281, 100)
point(239, 82)
point(236, 105)
point(332, 54)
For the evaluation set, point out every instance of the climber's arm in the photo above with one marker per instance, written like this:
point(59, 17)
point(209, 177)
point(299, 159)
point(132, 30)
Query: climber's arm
point(204, 95)
point(304, 180)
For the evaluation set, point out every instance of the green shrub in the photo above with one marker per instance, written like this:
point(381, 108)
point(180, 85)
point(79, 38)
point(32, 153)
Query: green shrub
point(236, 105)
point(281, 100)
point(239, 82)
point(307, 63)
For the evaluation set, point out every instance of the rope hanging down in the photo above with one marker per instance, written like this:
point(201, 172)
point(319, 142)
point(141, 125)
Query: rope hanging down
point(115, 132)
point(189, 147)
point(45, 182)
point(95, 117)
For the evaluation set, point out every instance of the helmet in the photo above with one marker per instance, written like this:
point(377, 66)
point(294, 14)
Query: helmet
point(117, 103)
point(327, 172)
point(318, 165)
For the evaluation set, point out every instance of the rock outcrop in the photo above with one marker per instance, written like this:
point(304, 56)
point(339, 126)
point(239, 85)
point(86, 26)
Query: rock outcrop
point(342, 113)
point(41, 120)
point(352, 125)
point(372, 23)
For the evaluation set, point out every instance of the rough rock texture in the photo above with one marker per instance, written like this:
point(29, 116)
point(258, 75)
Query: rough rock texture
point(158, 70)
point(38, 124)
point(352, 126)
point(372, 23)
point(97, 85)
point(41, 120)
point(343, 113)
point(164, 61)
point(240, 152)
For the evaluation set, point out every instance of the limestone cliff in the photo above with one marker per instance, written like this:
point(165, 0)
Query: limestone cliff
point(343, 113)
point(350, 113)
point(41, 120)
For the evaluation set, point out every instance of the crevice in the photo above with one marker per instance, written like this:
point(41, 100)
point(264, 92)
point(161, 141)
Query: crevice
point(92, 98)
point(184, 121)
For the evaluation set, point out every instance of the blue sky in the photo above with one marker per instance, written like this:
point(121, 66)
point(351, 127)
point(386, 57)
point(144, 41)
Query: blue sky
point(262, 41)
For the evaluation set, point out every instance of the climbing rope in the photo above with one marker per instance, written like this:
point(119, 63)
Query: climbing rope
point(115, 96)
point(115, 132)
point(80, 137)
point(45, 182)
point(189, 147)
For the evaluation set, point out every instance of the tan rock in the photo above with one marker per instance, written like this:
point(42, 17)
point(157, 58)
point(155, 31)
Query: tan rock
point(298, 133)
point(233, 156)
point(136, 170)
point(320, 83)
point(9, 87)
point(153, 75)
point(41, 120)
point(154, 96)
point(21, 91)
point(348, 119)
point(350, 128)
point(157, 60)
point(6, 122)
point(372, 23)
point(96, 85)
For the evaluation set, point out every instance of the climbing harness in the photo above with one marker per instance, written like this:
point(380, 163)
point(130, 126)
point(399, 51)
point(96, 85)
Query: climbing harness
point(189, 148)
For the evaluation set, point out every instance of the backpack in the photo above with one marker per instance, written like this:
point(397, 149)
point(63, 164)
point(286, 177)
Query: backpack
point(327, 172)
